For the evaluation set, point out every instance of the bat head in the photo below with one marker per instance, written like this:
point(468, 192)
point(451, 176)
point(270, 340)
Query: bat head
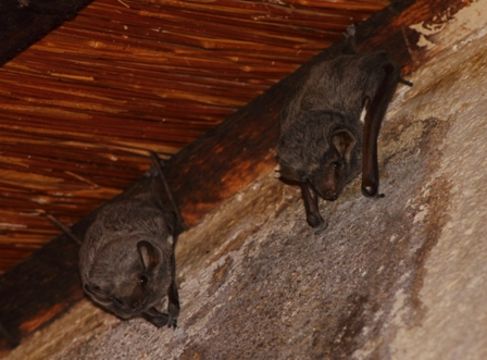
point(128, 277)
point(336, 165)
point(320, 149)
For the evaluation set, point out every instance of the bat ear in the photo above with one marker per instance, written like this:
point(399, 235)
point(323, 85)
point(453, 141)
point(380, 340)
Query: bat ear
point(148, 255)
point(343, 141)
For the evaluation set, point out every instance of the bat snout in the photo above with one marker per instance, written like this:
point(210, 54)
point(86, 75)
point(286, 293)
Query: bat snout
point(135, 305)
point(330, 195)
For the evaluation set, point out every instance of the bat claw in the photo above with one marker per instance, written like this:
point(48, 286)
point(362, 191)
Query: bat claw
point(405, 82)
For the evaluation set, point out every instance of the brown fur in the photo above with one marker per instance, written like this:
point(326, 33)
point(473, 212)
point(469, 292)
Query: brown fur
point(321, 134)
point(127, 257)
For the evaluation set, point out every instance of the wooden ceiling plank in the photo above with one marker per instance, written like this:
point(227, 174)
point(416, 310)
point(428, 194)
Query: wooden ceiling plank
point(342, 5)
point(254, 9)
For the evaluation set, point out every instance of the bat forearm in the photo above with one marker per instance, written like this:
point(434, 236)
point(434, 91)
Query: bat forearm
point(377, 107)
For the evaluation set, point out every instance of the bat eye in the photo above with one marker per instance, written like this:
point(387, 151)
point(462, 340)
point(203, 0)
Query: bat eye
point(336, 164)
point(143, 280)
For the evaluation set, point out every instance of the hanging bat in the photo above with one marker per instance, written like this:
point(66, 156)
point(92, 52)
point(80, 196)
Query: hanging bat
point(322, 134)
point(127, 261)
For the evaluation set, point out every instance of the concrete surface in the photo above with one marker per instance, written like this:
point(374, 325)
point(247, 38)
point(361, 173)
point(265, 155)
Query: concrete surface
point(403, 277)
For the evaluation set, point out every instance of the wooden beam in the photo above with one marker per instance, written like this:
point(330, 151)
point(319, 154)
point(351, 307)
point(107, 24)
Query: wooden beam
point(23, 22)
point(210, 170)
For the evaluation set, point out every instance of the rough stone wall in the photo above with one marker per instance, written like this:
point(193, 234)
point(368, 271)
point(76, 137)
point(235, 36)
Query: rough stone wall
point(401, 277)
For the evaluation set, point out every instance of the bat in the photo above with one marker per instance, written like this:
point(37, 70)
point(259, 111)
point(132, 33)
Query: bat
point(126, 259)
point(332, 123)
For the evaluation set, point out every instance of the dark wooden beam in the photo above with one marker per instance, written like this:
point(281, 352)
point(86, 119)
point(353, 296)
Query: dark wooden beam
point(210, 170)
point(23, 22)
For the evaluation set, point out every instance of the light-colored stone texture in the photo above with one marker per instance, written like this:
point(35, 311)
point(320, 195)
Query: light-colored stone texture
point(403, 277)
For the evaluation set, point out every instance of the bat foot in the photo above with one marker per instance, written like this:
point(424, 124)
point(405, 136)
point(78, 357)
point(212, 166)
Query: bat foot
point(158, 321)
point(173, 313)
point(320, 228)
point(162, 320)
point(172, 322)
point(316, 222)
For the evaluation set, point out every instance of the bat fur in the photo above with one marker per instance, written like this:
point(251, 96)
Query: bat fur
point(322, 140)
point(127, 262)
